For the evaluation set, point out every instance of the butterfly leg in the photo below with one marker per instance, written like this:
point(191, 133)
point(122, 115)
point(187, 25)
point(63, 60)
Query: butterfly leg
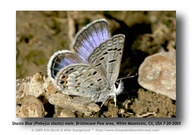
point(110, 95)
point(104, 101)
point(115, 99)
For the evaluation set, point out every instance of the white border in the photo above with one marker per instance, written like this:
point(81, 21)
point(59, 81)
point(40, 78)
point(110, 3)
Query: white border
point(8, 52)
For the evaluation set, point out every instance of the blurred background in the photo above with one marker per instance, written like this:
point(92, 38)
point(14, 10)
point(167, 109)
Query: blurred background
point(41, 33)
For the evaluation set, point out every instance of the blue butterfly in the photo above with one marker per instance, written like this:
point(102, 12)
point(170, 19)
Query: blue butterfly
point(92, 66)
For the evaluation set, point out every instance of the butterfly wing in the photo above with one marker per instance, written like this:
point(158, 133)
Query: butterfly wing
point(81, 80)
point(59, 60)
point(94, 45)
point(90, 37)
point(107, 57)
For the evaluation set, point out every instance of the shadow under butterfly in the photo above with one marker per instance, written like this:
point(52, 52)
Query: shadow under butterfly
point(92, 66)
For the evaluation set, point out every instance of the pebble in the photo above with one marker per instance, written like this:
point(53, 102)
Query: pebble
point(70, 103)
point(32, 107)
point(158, 74)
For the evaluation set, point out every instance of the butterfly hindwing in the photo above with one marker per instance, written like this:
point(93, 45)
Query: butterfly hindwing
point(81, 80)
point(59, 60)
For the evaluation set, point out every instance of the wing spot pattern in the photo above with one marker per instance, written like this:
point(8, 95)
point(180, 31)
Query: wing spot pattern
point(94, 73)
point(112, 61)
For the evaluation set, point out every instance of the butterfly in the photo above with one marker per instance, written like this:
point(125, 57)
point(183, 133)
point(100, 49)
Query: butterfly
point(91, 67)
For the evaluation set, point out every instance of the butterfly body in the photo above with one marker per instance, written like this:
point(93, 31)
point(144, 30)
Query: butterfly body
point(92, 67)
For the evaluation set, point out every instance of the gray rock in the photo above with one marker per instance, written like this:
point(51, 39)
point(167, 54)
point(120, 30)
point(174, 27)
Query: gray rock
point(158, 74)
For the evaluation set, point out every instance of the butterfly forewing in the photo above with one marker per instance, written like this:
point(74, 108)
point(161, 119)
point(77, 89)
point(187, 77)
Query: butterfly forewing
point(114, 57)
point(90, 37)
point(107, 57)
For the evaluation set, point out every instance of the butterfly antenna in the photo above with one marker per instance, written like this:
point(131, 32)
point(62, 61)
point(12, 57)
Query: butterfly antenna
point(126, 77)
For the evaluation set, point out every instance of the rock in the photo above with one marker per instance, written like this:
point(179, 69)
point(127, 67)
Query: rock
point(158, 74)
point(60, 112)
point(112, 111)
point(31, 107)
point(30, 86)
point(73, 103)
